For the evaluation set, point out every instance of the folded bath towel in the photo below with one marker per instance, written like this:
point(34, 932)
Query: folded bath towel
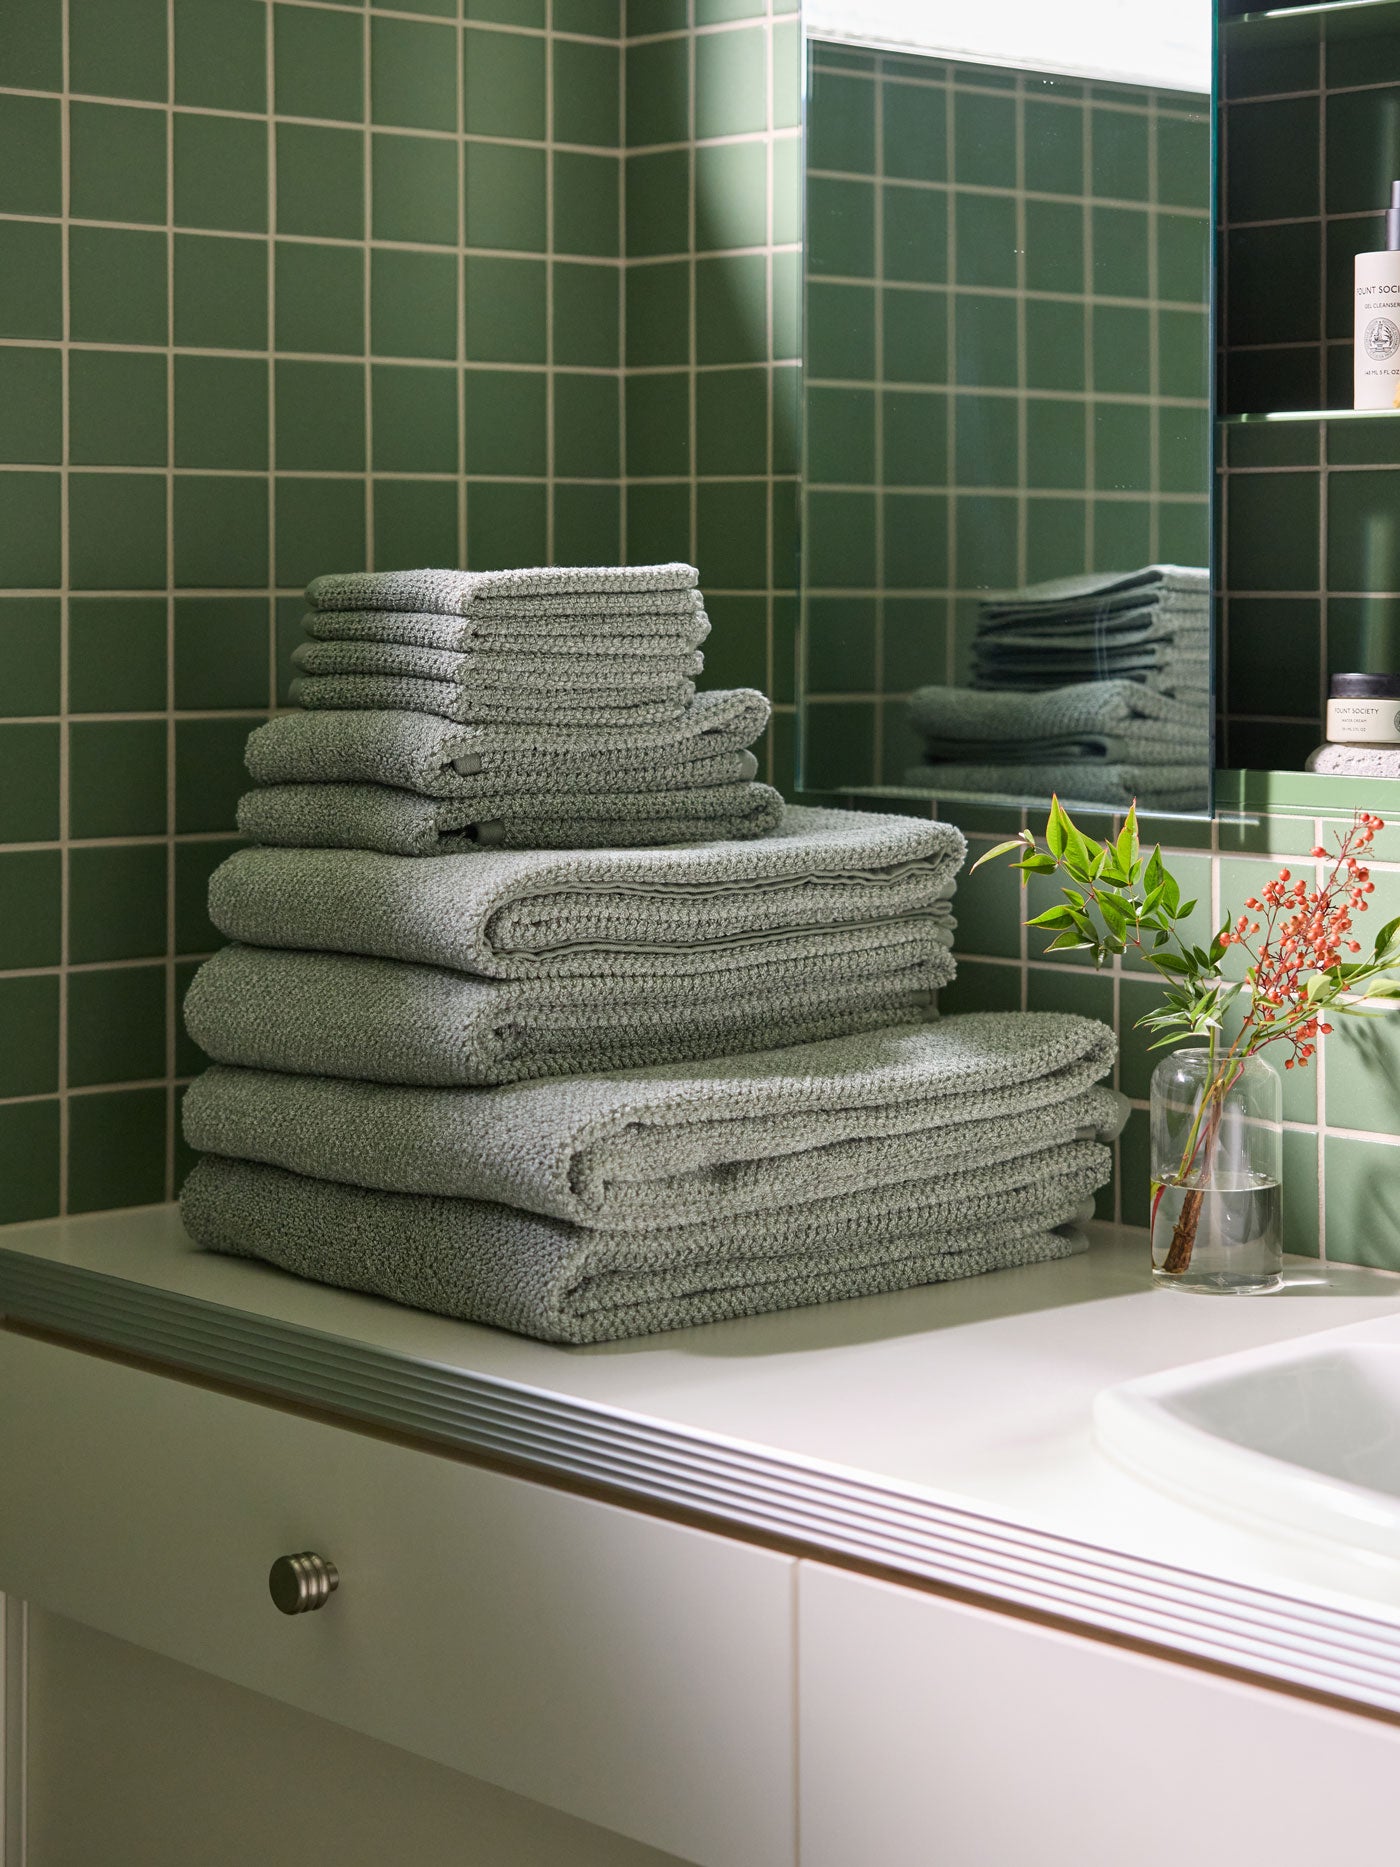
point(380, 1020)
point(964, 721)
point(372, 816)
point(567, 1283)
point(1115, 629)
point(628, 677)
point(449, 592)
point(419, 752)
point(485, 705)
point(510, 914)
point(661, 624)
point(1180, 589)
point(675, 1144)
point(1151, 787)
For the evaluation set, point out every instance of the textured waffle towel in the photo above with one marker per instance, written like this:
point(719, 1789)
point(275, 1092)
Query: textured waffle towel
point(1151, 787)
point(1180, 589)
point(451, 592)
point(568, 1283)
point(637, 677)
point(967, 722)
point(581, 626)
point(417, 752)
point(371, 816)
point(378, 1020)
point(480, 704)
point(510, 914)
point(675, 1144)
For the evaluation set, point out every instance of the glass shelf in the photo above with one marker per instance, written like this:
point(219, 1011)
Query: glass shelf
point(1328, 19)
point(1310, 414)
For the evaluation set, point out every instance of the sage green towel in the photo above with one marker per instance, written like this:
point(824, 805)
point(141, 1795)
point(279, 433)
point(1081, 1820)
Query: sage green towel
point(567, 1283)
point(663, 624)
point(638, 677)
point(488, 705)
point(379, 1020)
point(510, 914)
point(372, 816)
point(683, 1142)
point(451, 592)
point(1074, 781)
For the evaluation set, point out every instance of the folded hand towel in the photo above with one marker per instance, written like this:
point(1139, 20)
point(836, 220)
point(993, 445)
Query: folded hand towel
point(380, 1020)
point(565, 1283)
point(1114, 630)
point(633, 677)
point(963, 720)
point(372, 816)
point(418, 752)
point(666, 623)
point(1177, 587)
point(479, 705)
point(510, 914)
point(675, 1144)
point(1151, 787)
point(451, 591)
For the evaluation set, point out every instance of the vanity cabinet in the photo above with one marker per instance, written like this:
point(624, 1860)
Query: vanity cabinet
point(937, 1734)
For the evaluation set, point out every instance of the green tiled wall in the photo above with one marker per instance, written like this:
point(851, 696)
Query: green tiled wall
point(1007, 364)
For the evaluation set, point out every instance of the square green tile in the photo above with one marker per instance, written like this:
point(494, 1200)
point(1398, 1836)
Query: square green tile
point(289, 611)
point(116, 654)
point(1357, 149)
point(731, 534)
point(587, 94)
point(587, 303)
point(986, 242)
point(787, 75)
point(915, 235)
point(413, 194)
point(586, 204)
point(117, 286)
point(221, 292)
point(320, 298)
point(658, 92)
point(915, 334)
point(31, 45)
point(1054, 136)
point(195, 863)
point(28, 1036)
point(319, 60)
point(646, 16)
point(220, 55)
point(413, 303)
point(1274, 651)
point(1363, 632)
point(320, 528)
point(1362, 1225)
point(736, 655)
point(220, 532)
point(985, 450)
point(1055, 344)
point(1122, 533)
point(1056, 444)
point(657, 203)
point(915, 131)
point(505, 310)
point(838, 744)
point(732, 196)
point(413, 76)
point(840, 329)
point(506, 525)
point(785, 418)
point(221, 652)
point(1123, 350)
point(116, 902)
point(1122, 447)
point(658, 524)
point(506, 187)
point(116, 1025)
point(840, 646)
point(786, 298)
point(840, 435)
point(116, 408)
point(116, 778)
point(31, 280)
point(31, 406)
point(33, 938)
point(840, 539)
point(505, 84)
point(1118, 163)
point(587, 439)
point(506, 422)
point(1183, 160)
point(1183, 451)
point(658, 425)
point(30, 637)
point(602, 18)
point(320, 182)
point(658, 313)
point(916, 539)
point(1363, 552)
point(841, 228)
point(915, 439)
point(1054, 245)
point(30, 1161)
point(415, 419)
point(732, 421)
point(981, 357)
point(731, 309)
point(415, 522)
point(1281, 184)
point(31, 155)
point(1055, 538)
point(1120, 263)
point(116, 48)
point(210, 776)
point(1253, 255)
point(116, 1149)
point(221, 412)
point(785, 191)
point(984, 140)
point(1183, 257)
point(116, 531)
point(320, 416)
point(117, 162)
point(220, 173)
point(731, 82)
point(1272, 538)
point(29, 759)
point(587, 523)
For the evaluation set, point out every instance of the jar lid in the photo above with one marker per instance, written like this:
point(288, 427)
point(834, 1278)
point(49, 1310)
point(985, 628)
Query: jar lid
point(1365, 687)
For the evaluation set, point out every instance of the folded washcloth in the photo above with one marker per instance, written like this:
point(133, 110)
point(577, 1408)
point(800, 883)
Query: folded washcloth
point(665, 623)
point(565, 1283)
point(509, 914)
point(449, 592)
point(959, 722)
point(637, 677)
point(419, 752)
point(1151, 787)
point(373, 816)
point(485, 705)
point(379, 1020)
point(673, 1144)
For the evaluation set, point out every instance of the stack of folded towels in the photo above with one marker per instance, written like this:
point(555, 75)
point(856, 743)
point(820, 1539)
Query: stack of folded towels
point(591, 1092)
point(1096, 688)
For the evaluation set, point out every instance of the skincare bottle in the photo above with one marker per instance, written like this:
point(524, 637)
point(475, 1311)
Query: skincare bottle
point(1376, 368)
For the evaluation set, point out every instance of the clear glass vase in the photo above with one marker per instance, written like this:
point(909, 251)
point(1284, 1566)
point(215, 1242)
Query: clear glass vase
point(1217, 1161)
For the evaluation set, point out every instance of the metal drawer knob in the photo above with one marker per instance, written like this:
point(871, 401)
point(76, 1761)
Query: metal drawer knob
point(298, 1584)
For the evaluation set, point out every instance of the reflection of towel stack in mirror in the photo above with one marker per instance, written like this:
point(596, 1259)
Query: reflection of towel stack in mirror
point(1095, 687)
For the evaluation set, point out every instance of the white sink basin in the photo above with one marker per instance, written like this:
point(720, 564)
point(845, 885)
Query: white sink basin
point(1304, 1437)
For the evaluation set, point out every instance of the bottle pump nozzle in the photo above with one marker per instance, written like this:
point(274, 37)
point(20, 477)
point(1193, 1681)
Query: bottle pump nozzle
point(1392, 220)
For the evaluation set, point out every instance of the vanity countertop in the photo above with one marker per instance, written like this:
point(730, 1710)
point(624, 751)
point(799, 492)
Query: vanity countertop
point(942, 1433)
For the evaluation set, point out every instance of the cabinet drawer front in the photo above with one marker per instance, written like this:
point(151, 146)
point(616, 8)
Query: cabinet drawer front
point(636, 1673)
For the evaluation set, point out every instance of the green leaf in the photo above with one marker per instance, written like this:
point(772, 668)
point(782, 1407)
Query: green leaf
point(1056, 829)
point(1067, 940)
point(1038, 864)
point(1386, 935)
point(1169, 962)
point(1115, 919)
point(1054, 917)
point(1155, 875)
point(1181, 910)
point(1001, 849)
point(1126, 847)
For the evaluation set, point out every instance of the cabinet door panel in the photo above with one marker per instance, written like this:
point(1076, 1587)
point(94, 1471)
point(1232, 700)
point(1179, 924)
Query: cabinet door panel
point(932, 1734)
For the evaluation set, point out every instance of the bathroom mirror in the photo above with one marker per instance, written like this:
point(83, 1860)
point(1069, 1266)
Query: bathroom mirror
point(1006, 434)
